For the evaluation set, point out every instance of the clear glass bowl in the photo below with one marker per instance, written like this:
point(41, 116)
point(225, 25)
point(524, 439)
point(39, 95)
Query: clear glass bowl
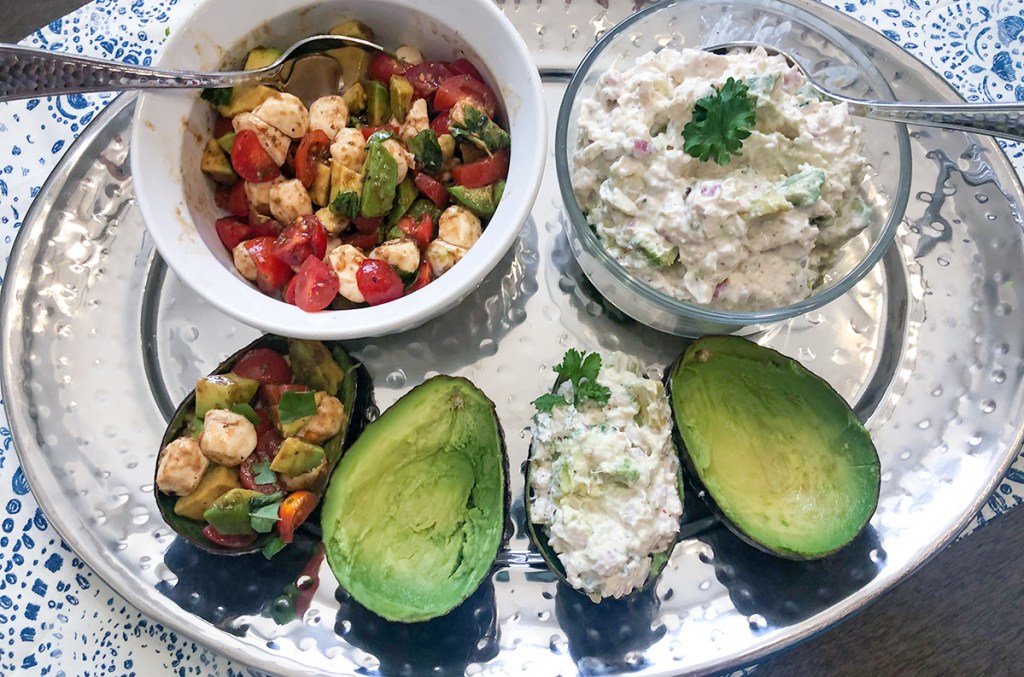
point(832, 59)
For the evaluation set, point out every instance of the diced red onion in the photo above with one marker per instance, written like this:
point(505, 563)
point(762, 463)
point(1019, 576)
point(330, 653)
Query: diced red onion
point(710, 188)
point(642, 148)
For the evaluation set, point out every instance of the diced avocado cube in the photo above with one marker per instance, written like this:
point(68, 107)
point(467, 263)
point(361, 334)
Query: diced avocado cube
point(480, 201)
point(768, 202)
point(355, 98)
point(355, 64)
point(762, 84)
point(296, 457)
point(381, 181)
point(378, 103)
point(423, 206)
point(216, 164)
point(862, 213)
point(655, 249)
point(220, 391)
point(481, 131)
point(401, 97)
point(344, 180)
point(353, 29)
point(803, 189)
point(261, 57)
point(407, 192)
point(229, 514)
point(313, 364)
point(320, 191)
point(216, 481)
point(245, 99)
point(227, 142)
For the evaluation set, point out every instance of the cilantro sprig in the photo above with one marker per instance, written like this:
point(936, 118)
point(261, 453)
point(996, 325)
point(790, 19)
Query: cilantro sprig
point(720, 123)
point(581, 369)
point(295, 405)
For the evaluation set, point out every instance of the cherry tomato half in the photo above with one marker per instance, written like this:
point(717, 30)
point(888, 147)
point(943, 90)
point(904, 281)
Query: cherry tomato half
point(231, 230)
point(238, 203)
point(383, 66)
point(225, 540)
point(482, 172)
point(263, 225)
point(422, 231)
point(222, 126)
point(370, 130)
point(369, 224)
point(364, 241)
point(378, 282)
point(271, 393)
point(263, 365)
point(271, 272)
point(440, 124)
point(267, 445)
point(316, 285)
point(427, 77)
point(424, 276)
point(294, 510)
point(461, 87)
point(465, 67)
point(250, 160)
point(289, 292)
point(432, 188)
point(314, 150)
point(303, 238)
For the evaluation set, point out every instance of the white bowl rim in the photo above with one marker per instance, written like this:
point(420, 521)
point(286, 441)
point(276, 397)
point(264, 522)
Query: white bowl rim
point(250, 306)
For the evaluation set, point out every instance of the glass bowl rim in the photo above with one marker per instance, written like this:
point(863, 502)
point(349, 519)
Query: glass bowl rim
point(592, 245)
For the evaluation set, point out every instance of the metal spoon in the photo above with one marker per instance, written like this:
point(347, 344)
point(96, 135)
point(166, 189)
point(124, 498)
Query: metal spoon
point(995, 119)
point(29, 73)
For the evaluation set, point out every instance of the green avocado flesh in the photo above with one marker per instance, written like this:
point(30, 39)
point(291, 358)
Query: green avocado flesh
point(779, 451)
point(414, 514)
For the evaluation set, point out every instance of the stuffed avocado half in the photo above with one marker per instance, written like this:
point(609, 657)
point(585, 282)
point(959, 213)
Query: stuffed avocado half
point(782, 457)
point(248, 453)
point(604, 489)
point(416, 511)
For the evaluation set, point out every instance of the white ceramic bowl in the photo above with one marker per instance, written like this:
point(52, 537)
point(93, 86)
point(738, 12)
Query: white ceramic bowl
point(177, 200)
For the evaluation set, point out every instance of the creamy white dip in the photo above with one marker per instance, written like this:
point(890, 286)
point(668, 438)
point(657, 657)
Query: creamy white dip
point(753, 234)
point(603, 481)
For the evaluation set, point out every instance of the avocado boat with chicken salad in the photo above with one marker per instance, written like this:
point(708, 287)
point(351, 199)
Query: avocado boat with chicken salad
point(417, 509)
point(604, 486)
point(779, 454)
point(247, 455)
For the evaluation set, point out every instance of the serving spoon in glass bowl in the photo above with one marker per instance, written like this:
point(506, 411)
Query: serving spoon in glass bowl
point(303, 70)
point(1005, 120)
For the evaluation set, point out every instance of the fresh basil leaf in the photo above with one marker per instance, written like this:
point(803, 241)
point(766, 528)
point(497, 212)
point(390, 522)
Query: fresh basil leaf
point(218, 97)
point(245, 409)
point(263, 519)
point(295, 405)
point(346, 204)
point(262, 474)
point(273, 546)
point(427, 151)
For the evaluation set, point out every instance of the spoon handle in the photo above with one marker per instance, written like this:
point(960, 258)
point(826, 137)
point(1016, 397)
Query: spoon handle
point(28, 73)
point(996, 119)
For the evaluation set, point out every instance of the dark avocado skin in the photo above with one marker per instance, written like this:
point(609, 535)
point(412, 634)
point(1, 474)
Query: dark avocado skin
point(356, 394)
point(734, 343)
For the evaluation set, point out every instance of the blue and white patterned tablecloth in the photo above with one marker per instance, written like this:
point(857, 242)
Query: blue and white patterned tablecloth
point(56, 616)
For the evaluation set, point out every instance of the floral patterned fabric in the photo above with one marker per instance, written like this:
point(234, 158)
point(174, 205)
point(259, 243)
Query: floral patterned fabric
point(57, 617)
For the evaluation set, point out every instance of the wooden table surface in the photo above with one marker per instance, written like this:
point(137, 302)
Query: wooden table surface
point(962, 614)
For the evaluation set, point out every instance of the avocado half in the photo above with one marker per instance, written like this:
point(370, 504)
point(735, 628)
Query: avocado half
point(780, 455)
point(415, 512)
point(355, 392)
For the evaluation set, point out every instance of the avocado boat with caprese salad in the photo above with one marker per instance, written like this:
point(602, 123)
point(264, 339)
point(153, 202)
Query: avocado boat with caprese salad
point(247, 455)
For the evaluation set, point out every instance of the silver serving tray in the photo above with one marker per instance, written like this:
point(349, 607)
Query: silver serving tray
point(100, 341)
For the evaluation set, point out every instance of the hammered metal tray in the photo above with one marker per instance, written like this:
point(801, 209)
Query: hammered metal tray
point(100, 341)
